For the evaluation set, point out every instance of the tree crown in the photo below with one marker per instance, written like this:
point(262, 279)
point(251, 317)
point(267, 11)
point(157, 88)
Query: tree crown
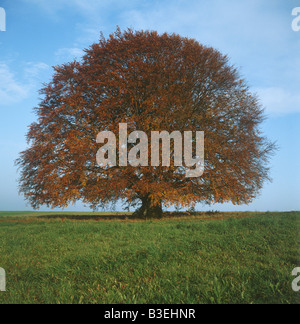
point(151, 82)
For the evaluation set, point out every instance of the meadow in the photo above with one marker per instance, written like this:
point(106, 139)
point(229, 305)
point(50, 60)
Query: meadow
point(98, 258)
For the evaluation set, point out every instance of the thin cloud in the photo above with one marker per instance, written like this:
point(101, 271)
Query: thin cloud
point(279, 101)
point(15, 88)
point(33, 70)
point(69, 53)
point(11, 90)
point(91, 8)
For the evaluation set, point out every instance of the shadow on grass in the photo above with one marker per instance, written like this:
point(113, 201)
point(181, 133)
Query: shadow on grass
point(166, 215)
point(89, 217)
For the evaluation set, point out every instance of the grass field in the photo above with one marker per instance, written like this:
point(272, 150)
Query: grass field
point(206, 258)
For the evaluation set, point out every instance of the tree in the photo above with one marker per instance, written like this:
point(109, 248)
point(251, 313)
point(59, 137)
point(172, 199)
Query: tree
point(151, 82)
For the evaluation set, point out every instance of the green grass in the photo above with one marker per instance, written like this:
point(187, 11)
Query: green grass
point(243, 258)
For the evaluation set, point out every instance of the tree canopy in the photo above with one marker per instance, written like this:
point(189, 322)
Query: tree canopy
point(151, 82)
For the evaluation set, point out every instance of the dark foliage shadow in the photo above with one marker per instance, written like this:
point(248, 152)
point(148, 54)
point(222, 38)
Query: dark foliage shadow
point(166, 215)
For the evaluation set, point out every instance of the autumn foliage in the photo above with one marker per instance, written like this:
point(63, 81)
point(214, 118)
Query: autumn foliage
point(151, 82)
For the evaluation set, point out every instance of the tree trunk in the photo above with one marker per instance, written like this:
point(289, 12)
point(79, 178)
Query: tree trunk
point(149, 209)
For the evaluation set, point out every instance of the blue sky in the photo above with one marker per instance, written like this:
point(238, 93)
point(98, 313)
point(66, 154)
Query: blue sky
point(256, 34)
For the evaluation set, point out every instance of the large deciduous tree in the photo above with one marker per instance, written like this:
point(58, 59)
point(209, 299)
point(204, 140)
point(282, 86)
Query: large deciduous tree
point(151, 82)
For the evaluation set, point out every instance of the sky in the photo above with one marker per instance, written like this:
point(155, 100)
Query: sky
point(257, 35)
